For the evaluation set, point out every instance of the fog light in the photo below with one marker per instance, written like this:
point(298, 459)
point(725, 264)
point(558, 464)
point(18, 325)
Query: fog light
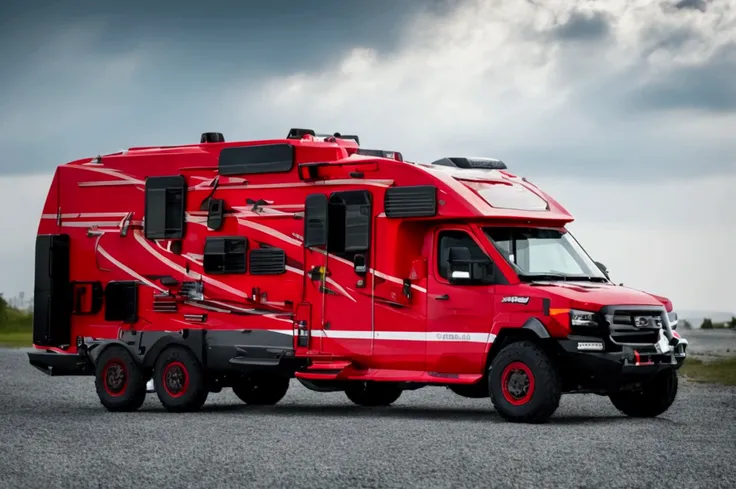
point(590, 346)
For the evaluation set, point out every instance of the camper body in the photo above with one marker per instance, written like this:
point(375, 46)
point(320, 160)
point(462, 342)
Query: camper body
point(244, 265)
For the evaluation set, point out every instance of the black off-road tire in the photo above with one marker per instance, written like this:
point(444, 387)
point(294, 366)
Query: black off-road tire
point(653, 399)
point(263, 390)
point(180, 380)
point(119, 380)
point(525, 383)
point(373, 394)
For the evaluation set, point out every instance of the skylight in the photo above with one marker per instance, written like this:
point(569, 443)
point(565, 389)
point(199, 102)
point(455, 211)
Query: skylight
point(509, 195)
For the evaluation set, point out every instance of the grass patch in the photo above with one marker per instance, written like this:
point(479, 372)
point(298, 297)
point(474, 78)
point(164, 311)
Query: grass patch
point(16, 339)
point(16, 326)
point(720, 371)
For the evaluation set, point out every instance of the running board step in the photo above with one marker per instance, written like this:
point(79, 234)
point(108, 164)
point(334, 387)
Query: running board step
point(259, 357)
point(324, 370)
point(256, 362)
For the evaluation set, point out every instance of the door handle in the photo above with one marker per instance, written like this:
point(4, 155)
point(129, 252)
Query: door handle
point(442, 297)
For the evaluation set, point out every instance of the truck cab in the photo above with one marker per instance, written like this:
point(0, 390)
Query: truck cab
point(244, 265)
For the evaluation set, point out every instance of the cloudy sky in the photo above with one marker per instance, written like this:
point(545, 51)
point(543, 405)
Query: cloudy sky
point(624, 110)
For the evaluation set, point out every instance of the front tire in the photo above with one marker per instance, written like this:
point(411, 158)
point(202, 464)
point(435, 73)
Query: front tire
point(180, 381)
point(373, 394)
point(119, 381)
point(525, 384)
point(653, 399)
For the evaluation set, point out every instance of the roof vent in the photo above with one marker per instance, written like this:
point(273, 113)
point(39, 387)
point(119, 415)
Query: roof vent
point(296, 133)
point(393, 155)
point(212, 137)
point(347, 136)
point(472, 162)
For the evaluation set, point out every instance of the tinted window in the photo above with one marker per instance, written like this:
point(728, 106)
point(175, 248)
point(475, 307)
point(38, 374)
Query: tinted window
point(450, 239)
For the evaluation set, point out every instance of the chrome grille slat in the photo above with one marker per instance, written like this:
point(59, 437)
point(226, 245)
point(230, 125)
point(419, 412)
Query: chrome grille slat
point(636, 327)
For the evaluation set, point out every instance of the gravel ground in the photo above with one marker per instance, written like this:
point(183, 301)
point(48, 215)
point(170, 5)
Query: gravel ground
point(54, 433)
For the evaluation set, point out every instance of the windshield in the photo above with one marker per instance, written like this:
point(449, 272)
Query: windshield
point(546, 254)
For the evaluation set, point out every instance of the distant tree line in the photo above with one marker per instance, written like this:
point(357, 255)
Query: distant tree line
point(709, 324)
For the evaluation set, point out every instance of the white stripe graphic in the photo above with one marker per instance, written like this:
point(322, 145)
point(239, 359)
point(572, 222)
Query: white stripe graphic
point(128, 270)
point(272, 315)
point(110, 172)
point(429, 336)
point(215, 283)
point(326, 183)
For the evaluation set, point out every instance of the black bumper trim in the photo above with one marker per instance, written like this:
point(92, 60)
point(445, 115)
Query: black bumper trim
point(58, 364)
point(622, 365)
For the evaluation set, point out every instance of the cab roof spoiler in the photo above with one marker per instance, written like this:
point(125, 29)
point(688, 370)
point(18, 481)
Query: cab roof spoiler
point(471, 162)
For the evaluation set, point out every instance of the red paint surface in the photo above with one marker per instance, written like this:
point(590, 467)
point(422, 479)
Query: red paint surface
point(404, 338)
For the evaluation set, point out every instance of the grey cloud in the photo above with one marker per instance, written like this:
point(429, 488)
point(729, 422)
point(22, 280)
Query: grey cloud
point(707, 86)
point(60, 100)
point(582, 27)
point(701, 5)
point(667, 38)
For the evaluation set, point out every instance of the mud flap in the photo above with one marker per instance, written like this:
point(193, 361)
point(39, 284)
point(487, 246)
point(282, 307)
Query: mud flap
point(52, 301)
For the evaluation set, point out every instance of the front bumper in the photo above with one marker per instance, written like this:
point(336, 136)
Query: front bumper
point(604, 369)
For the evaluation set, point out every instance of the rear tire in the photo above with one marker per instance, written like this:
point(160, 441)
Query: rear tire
point(119, 381)
point(373, 394)
point(653, 399)
point(262, 390)
point(180, 381)
point(525, 384)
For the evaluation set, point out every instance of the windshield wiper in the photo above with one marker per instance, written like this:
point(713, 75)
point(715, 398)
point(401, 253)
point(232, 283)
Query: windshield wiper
point(558, 276)
point(589, 279)
point(543, 276)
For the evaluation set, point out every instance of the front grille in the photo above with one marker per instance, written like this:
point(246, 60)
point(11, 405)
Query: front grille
point(634, 326)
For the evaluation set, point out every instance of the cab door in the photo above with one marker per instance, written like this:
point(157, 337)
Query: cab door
point(459, 312)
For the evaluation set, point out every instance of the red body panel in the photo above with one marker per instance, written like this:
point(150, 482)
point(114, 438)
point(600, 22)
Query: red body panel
point(371, 327)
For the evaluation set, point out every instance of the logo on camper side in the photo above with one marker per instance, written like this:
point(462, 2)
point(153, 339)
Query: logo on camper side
point(515, 299)
point(453, 337)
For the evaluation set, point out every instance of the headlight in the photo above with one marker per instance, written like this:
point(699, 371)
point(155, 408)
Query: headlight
point(582, 319)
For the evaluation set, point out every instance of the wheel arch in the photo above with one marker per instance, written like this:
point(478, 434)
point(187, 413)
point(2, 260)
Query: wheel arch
point(93, 354)
point(532, 330)
point(161, 344)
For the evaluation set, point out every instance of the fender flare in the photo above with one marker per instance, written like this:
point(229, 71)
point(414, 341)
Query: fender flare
point(535, 325)
point(532, 326)
point(152, 353)
point(94, 352)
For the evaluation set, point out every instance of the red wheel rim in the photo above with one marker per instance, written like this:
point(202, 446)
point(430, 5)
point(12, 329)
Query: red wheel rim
point(175, 379)
point(115, 378)
point(517, 383)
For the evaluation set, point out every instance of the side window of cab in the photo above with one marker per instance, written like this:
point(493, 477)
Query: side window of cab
point(455, 238)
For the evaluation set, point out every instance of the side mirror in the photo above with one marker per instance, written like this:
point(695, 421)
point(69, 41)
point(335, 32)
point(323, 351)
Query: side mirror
point(463, 269)
point(602, 268)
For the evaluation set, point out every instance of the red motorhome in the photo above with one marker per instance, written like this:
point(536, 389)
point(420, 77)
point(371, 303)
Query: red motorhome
point(244, 265)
